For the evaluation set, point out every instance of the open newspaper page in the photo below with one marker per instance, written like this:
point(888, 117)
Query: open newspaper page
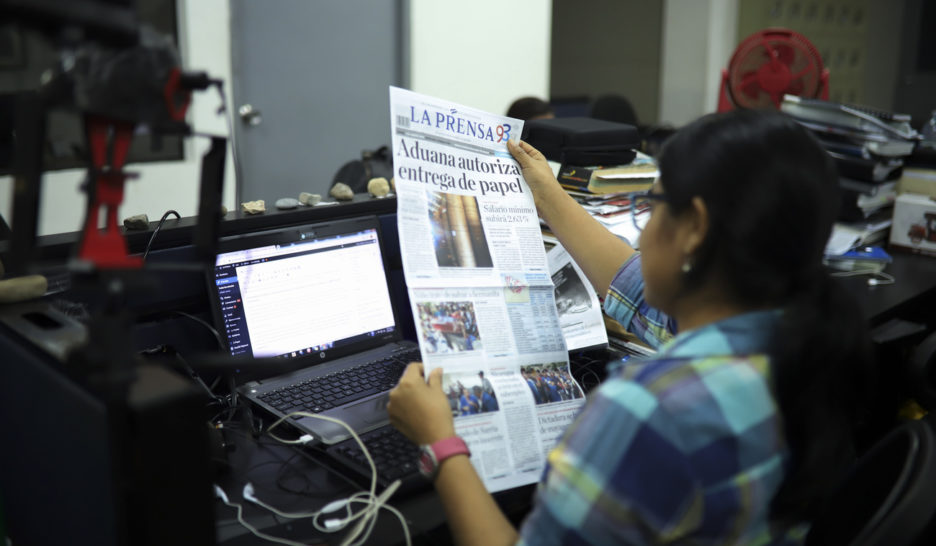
point(580, 314)
point(479, 284)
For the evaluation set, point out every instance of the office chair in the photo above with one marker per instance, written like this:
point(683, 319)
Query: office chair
point(613, 108)
point(890, 496)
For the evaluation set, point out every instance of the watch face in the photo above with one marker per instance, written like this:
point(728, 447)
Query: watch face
point(426, 462)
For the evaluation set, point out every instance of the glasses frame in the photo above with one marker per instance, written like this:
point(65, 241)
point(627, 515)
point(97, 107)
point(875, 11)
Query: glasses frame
point(633, 197)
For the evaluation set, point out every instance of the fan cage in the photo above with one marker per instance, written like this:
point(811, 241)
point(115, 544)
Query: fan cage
point(754, 83)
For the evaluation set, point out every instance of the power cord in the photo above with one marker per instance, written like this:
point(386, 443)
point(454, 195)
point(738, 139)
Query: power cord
point(197, 378)
point(169, 351)
point(155, 231)
point(204, 323)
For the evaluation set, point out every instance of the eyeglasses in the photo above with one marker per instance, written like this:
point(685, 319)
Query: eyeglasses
point(641, 207)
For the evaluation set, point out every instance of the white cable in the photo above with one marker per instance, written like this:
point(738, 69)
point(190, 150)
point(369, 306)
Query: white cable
point(327, 509)
point(302, 440)
point(367, 522)
point(240, 518)
point(370, 461)
point(877, 277)
point(372, 502)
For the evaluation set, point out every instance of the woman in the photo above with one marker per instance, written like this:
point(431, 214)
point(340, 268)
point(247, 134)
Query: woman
point(739, 427)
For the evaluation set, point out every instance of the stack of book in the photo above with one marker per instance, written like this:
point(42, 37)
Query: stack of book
point(603, 191)
point(869, 147)
point(638, 175)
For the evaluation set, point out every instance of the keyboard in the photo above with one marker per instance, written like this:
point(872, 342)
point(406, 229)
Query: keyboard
point(394, 456)
point(336, 389)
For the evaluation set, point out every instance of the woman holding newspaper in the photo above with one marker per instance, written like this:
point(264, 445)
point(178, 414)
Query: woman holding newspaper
point(741, 424)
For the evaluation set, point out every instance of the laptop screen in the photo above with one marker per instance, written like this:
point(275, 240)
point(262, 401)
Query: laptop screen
point(303, 291)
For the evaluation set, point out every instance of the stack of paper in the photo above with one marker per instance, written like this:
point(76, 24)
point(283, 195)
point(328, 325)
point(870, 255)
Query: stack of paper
point(847, 236)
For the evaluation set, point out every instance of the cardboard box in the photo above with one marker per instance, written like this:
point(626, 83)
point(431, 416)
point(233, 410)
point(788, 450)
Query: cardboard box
point(917, 180)
point(914, 227)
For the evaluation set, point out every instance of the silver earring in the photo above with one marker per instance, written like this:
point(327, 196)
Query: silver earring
point(687, 266)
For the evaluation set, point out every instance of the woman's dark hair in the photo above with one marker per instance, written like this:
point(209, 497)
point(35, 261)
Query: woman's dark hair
point(772, 196)
point(527, 108)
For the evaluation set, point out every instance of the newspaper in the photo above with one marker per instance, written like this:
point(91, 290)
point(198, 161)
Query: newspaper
point(580, 315)
point(480, 285)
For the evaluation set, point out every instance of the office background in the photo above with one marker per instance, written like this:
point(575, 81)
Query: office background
point(665, 55)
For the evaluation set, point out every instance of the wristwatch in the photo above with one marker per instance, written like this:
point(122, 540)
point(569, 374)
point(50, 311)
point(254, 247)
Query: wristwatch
point(432, 455)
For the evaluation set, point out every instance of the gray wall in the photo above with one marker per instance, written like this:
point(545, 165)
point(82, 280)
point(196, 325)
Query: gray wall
point(608, 47)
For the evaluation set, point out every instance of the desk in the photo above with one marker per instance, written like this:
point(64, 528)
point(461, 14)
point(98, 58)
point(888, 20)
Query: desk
point(261, 462)
point(912, 295)
point(294, 479)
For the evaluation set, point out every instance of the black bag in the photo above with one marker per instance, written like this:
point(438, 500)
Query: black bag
point(358, 172)
point(583, 141)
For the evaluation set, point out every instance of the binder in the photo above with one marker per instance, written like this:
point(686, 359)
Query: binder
point(860, 118)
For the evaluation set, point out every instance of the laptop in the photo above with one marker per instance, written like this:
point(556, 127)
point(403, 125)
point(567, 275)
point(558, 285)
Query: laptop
point(317, 296)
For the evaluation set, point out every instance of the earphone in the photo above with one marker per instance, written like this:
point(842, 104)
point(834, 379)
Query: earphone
point(880, 279)
point(366, 518)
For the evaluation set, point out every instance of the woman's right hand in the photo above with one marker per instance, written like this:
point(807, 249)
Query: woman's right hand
point(536, 171)
point(418, 408)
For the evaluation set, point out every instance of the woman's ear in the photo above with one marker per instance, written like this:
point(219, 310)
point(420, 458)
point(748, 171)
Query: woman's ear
point(695, 225)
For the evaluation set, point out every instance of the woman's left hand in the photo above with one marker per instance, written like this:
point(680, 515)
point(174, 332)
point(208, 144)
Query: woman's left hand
point(419, 409)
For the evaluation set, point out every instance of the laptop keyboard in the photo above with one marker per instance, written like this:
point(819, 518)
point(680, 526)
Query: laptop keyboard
point(336, 389)
point(394, 456)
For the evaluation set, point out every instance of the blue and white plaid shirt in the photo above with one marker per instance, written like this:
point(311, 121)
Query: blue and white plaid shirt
point(684, 447)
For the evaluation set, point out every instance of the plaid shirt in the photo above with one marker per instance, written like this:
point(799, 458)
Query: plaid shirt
point(685, 447)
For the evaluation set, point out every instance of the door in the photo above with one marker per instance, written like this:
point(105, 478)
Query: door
point(310, 88)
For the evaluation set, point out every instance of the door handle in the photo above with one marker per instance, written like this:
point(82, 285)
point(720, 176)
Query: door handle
point(250, 115)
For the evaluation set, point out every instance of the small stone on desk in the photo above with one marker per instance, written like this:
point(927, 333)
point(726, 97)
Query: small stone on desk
point(378, 187)
point(309, 199)
point(254, 207)
point(287, 203)
point(140, 221)
point(341, 192)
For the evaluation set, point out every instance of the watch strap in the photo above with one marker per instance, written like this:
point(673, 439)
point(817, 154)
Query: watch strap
point(433, 454)
point(449, 447)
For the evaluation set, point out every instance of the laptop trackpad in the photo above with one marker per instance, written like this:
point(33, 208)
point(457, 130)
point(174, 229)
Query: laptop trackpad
point(361, 416)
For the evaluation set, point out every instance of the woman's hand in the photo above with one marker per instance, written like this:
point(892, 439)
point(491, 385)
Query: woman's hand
point(536, 171)
point(419, 409)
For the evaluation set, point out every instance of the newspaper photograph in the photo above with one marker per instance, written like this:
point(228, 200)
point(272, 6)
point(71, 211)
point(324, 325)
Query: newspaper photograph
point(480, 285)
point(580, 315)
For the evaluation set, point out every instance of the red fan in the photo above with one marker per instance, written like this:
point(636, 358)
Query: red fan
point(769, 64)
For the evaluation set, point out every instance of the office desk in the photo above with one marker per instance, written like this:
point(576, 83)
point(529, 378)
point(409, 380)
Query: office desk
point(912, 296)
point(268, 466)
point(296, 479)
